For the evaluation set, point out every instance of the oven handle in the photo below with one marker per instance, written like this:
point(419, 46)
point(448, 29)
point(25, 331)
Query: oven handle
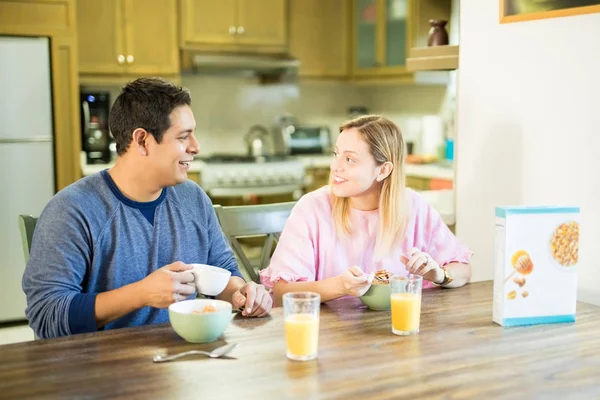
point(257, 191)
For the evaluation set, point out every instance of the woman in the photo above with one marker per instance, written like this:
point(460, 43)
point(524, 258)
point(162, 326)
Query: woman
point(366, 220)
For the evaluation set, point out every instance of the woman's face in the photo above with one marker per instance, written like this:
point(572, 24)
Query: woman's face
point(354, 171)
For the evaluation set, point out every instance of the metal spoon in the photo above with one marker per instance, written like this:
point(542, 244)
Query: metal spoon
point(216, 353)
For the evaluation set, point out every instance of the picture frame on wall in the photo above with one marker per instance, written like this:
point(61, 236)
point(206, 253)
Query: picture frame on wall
point(527, 10)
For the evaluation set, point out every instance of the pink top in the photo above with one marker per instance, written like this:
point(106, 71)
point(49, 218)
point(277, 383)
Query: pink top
point(309, 250)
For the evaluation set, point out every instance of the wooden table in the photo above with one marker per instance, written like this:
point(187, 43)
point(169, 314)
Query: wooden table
point(460, 353)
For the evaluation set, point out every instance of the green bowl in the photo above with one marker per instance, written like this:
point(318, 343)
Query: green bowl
point(377, 297)
point(200, 328)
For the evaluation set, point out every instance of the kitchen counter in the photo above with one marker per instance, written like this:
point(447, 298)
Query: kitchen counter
point(435, 171)
point(90, 169)
point(441, 200)
point(432, 171)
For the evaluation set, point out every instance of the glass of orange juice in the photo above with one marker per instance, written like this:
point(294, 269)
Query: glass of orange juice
point(406, 304)
point(301, 315)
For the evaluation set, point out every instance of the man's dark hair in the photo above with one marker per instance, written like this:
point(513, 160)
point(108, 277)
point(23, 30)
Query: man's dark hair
point(145, 103)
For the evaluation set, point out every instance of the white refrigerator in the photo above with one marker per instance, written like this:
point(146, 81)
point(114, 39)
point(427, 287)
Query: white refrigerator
point(27, 179)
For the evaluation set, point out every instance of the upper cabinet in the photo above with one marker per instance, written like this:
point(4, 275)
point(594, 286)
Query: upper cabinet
point(381, 37)
point(319, 33)
point(434, 58)
point(234, 24)
point(137, 37)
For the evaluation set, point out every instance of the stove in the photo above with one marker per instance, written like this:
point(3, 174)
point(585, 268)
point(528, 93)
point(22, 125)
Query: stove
point(236, 158)
point(230, 175)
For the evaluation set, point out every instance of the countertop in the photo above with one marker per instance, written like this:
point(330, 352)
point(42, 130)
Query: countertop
point(441, 200)
point(432, 171)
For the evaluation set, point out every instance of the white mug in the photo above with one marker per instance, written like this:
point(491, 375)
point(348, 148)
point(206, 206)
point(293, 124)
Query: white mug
point(210, 280)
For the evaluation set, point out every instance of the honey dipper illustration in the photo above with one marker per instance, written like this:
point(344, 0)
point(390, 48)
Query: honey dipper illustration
point(521, 263)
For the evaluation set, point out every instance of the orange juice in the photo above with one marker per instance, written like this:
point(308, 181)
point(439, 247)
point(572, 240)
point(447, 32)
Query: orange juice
point(302, 336)
point(406, 312)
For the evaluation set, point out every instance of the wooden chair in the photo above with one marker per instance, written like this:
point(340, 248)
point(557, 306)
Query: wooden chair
point(26, 227)
point(254, 220)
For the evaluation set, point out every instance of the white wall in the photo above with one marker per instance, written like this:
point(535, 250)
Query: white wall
point(528, 127)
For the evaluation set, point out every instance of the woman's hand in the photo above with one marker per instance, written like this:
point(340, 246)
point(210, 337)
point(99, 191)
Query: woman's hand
point(354, 282)
point(421, 263)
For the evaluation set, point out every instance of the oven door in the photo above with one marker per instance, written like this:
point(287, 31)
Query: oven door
point(255, 195)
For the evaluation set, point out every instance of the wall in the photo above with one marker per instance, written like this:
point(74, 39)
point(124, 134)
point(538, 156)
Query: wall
point(225, 106)
point(528, 126)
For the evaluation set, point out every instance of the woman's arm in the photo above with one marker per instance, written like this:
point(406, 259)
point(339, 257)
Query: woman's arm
point(353, 282)
point(328, 288)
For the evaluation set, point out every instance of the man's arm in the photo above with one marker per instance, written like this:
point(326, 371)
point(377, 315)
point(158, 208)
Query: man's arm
point(159, 289)
point(59, 259)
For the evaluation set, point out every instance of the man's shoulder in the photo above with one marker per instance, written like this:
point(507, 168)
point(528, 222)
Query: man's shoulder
point(189, 195)
point(82, 203)
point(84, 192)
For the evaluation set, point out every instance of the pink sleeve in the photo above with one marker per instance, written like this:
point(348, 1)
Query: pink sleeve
point(294, 256)
point(441, 243)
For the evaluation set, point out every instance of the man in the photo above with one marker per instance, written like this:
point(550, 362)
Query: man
point(112, 250)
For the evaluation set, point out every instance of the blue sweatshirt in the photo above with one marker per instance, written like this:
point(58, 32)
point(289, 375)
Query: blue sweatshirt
point(90, 239)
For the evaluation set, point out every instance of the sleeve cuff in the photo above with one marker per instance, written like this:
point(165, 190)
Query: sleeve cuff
point(236, 272)
point(464, 258)
point(82, 313)
point(269, 278)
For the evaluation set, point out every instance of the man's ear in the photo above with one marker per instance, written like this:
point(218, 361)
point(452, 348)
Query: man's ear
point(139, 142)
point(384, 171)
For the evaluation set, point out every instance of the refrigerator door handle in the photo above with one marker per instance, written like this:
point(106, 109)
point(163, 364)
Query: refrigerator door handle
point(33, 139)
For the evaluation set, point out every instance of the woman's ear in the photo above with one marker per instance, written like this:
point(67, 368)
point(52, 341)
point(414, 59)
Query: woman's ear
point(384, 171)
point(139, 141)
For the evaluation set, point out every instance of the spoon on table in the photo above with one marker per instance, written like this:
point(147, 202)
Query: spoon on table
point(216, 353)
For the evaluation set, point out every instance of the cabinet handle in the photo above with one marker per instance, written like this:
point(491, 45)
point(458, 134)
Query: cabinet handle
point(240, 30)
point(129, 59)
point(120, 59)
point(232, 30)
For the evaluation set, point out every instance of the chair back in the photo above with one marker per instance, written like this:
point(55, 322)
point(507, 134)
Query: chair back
point(254, 220)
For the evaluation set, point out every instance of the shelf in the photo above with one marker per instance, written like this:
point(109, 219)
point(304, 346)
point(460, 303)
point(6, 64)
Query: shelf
point(435, 58)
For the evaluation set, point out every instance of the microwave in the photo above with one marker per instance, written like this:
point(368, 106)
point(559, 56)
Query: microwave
point(95, 135)
point(302, 139)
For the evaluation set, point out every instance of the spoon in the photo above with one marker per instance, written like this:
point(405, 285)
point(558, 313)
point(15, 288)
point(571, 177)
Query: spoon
point(216, 353)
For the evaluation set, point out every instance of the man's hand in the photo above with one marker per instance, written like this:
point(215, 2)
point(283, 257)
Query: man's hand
point(167, 285)
point(255, 300)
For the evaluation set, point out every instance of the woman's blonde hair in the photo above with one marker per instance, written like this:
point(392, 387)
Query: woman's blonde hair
point(386, 145)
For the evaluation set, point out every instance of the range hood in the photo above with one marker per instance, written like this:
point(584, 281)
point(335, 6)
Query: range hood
point(245, 64)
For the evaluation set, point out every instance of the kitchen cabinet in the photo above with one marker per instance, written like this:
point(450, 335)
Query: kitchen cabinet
point(132, 37)
point(319, 37)
point(234, 24)
point(381, 37)
point(434, 58)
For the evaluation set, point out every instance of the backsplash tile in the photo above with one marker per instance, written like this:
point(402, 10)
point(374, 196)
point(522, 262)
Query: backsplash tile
point(225, 107)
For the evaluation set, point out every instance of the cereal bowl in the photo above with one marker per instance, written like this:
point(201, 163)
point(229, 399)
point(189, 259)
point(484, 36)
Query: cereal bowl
point(377, 297)
point(200, 320)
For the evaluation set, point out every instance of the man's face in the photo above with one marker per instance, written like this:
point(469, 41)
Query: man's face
point(171, 158)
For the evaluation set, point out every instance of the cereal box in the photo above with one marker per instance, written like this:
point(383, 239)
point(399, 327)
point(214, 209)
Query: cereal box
point(536, 254)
